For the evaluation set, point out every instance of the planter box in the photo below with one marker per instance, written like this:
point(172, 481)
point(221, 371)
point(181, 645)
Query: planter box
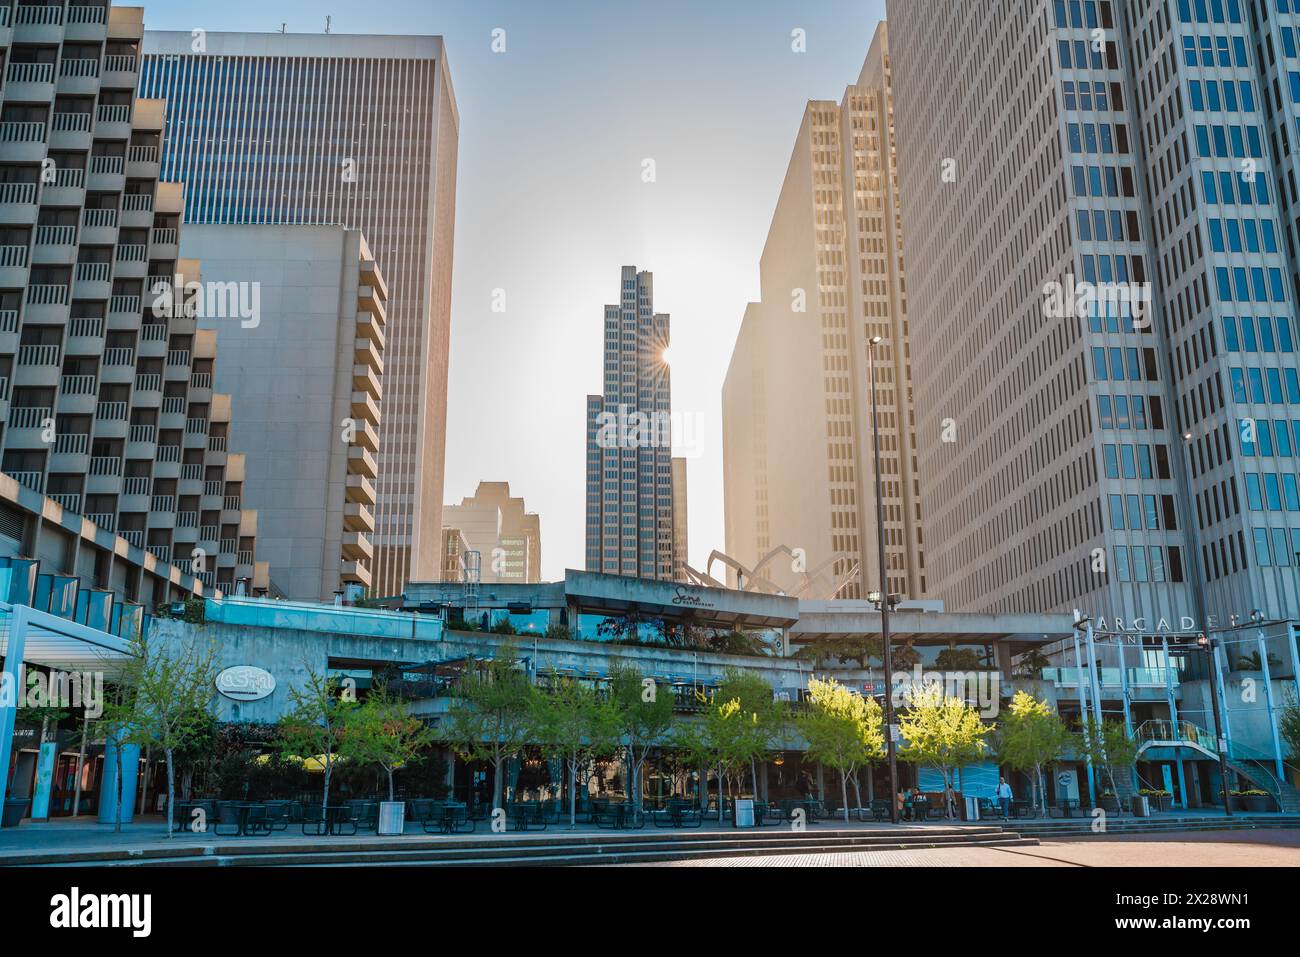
point(1256, 803)
point(392, 818)
point(1110, 805)
point(14, 811)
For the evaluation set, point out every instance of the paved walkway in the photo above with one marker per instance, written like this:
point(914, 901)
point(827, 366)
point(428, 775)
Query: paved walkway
point(1195, 849)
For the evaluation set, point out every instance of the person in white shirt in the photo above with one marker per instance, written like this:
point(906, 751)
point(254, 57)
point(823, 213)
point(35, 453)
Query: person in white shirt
point(1004, 797)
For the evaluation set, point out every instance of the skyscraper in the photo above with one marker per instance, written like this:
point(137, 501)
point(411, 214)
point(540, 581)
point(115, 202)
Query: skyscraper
point(359, 131)
point(798, 452)
point(680, 542)
point(1132, 453)
point(507, 537)
point(105, 379)
point(629, 441)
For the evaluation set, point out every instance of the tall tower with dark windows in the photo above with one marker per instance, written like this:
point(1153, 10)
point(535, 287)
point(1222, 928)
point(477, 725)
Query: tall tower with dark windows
point(629, 441)
point(358, 131)
point(1100, 217)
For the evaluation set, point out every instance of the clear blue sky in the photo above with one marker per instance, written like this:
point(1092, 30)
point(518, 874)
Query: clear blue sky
point(551, 202)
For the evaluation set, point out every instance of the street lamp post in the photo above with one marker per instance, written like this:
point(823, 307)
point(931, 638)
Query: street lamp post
point(891, 743)
point(1220, 745)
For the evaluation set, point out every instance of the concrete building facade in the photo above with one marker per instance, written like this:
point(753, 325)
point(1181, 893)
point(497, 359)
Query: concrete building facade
point(680, 539)
point(307, 386)
point(353, 130)
point(629, 440)
point(799, 467)
point(506, 535)
point(105, 378)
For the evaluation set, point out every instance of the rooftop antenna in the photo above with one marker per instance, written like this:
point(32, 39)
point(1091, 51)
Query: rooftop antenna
point(282, 26)
point(327, 24)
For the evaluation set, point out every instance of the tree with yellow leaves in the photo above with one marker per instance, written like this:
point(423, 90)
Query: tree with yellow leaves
point(941, 731)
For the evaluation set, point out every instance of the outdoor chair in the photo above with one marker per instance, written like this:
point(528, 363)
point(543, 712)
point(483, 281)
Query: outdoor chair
point(418, 810)
point(313, 820)
point(880, 810)
point(257, 821)
point(456, 819)
point(278, 814)
point(366, 814)
point(227, 817)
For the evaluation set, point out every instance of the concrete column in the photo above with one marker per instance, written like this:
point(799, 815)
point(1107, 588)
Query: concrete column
point(1173, 718)
point(130, 757)
point(1083, 710)
point(11, 688)
point(1272, 716)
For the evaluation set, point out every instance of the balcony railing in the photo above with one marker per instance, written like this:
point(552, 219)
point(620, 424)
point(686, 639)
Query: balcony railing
point(11, 132)
point(120, 63)
point(79, 66)
point(137, 202)
point(212, 488)
point(196, 426)
point(98, 218)
point(70, 177)
point(148, 382)
point(78, 385)
point(142, 154)
point(17, 192)
point(85, 327)
point(105, 465)
point(56, 235)
point(82, 13)
point(153, 331)
point(8, 320)
point(47, 295)
point(208, 533)
point(105, 520)
point(72, 443)
point(164, 236)
point(112, 113)
point(111, 411)
point(32, 480)
point(163, 503)
point(192, 472)
point(169, 453)
point(187, 519)
point(130, 305)
point(231, 503)
point(30, 73)
point(71, 501)
point(132, 253)
point(173, 405)
point(244, 557)
point(38, 355)
point(94, 272)
point(134, 536)
point(119, 356)
point(178, 357)
point(142, 432)
point(135, 485)
point(216, 443)
point(79, 122)
point(40, 16)
point(13, 256)
point(29, 417)
point(229, 546)
point(201, 380)
point(161, 552)
point(107, 165)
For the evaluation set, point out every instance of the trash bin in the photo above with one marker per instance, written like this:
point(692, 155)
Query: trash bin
point(1141, 805)
point(744, 813)
point(392, 818)
point(14, 812)
point(970, 808)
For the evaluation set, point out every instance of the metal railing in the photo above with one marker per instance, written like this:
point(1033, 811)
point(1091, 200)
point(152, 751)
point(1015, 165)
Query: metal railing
point(119, 356)
point(14, 132)
point(130, 305)
point(30, 73)
point(120, 63)
point(38, 355)
point(40, 16)
point(72, 122)
point(72, 443)
point(111, 411)
point(78, 385)
point(107, 165)
point(94, 272)
point(85, 327)
point(163, 503)
point(79, 66)
point(105, 465)
point(148, 382)
point(137, 202)
point(13, 256)
point(97, 218)
point(135, 485)
point(47, 294)
point(56, 235)
point(142, 432)
point(17, 192)
point(28, 417)
point(134, 536)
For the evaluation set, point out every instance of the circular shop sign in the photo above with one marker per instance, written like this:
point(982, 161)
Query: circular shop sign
point(245, 683)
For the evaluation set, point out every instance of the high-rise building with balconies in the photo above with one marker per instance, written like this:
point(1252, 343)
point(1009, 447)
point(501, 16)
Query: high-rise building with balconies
point(358, 131)
point(106, 399)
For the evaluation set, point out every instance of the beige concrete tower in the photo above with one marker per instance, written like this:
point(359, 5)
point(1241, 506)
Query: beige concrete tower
point(799, 467)
point(507, 537)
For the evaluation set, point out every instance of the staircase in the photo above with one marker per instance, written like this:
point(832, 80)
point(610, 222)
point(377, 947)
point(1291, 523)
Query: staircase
point(533, 850)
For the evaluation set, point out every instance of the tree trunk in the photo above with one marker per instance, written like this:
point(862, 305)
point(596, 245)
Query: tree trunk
point(844, 792)
point(753, 771)
point(721, 797)
point(325, 795)
point(144, 784)
point(81, 764)
point(391, 793)
point(496, 783)
point(117, 790)
point(573, 793)
point(857, 790)
point(171, 789)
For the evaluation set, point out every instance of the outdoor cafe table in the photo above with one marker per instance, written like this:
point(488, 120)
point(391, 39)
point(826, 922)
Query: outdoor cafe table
point(249, 823)
point(810, 809)
point(447, 816)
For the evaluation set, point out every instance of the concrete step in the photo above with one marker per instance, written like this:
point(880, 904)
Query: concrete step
point(555, 849)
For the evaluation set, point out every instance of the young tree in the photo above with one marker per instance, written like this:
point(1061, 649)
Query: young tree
point(844, 730)
point(1289, 726)
point(381, 731)
point(942, 731)
point(1032, 737)
point(312, 726)
point(170, 695)
point(576, 726)
point(764, 715)
point(1108, 747)
point(644, 719)
point(493, 716)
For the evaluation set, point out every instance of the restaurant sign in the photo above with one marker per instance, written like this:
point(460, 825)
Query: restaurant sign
point(245, 683)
